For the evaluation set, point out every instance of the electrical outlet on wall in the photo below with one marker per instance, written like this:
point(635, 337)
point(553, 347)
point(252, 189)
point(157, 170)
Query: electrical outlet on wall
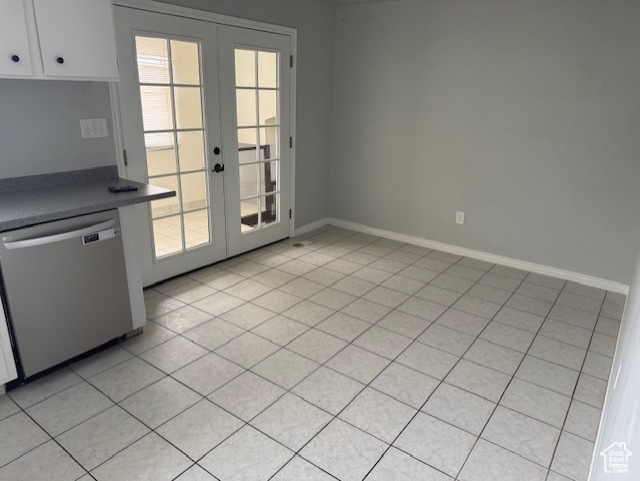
point(459, 217)
point(93, 128)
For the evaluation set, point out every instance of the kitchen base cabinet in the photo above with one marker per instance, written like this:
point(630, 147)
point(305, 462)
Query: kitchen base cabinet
point(132, 263)
point(8, 370)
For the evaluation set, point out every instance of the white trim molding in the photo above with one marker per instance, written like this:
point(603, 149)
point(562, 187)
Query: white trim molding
point(316, 224)
point(187, 12)
point(587, 280)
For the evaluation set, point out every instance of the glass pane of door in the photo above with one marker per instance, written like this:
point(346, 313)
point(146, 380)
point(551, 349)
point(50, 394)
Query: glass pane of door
point(171, 92)
point(257, 94)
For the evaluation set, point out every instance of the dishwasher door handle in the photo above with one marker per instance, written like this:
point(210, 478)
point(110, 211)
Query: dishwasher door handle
point(50, 239)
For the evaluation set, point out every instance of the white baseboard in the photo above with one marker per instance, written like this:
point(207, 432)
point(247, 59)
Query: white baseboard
point(463, 251)
point(311, 226)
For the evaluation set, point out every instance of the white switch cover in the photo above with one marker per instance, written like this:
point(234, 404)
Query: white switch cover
point(459, 217)
point(93, 128)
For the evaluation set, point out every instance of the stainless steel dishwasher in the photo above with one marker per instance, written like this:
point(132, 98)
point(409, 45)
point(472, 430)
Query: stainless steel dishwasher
point(65, 288)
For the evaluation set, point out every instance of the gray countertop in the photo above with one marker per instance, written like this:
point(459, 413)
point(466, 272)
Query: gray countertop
point(32, 200)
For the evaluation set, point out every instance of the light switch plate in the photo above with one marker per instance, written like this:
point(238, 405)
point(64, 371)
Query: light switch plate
point(93, 128)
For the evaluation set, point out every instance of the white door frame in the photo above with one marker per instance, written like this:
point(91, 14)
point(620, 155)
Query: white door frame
point(159, 7)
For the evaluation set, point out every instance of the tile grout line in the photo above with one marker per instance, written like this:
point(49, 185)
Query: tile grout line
point(413, 295)
point(267, 407)
point(247, 423)
point(391, 274)
point(367, 385)
point(137, 355)
point(575, 388)
point(51, 438)
point(312, 327)
point(441, 381)
point(289, 391)
point(497, 404)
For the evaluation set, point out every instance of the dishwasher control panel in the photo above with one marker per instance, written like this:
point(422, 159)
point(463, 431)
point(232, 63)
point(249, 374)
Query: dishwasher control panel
point(100, 236)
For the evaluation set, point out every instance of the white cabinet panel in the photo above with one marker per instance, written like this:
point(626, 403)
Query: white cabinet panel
point(57, 39)
point(77, 38)
point(15, 58)
point(7, 363)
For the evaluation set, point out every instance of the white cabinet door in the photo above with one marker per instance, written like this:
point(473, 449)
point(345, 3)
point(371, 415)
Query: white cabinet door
point(77, 38)
point(14, 42)
point(7, 364)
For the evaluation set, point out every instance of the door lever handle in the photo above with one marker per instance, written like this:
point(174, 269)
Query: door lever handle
point(218, 168)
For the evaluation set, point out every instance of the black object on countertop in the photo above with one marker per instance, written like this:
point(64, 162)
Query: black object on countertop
point(122, 188)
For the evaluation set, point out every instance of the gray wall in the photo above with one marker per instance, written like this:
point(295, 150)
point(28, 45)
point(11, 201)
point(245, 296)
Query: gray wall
point(315, 21)
point(524, 114)
point(40, 126)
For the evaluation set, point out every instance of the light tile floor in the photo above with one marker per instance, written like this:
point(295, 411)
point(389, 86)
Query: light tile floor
point(352, 357)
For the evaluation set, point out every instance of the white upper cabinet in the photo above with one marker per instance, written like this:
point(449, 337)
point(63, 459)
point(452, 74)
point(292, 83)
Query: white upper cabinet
point(15, 58)
point(57, 39)
point(77, 38)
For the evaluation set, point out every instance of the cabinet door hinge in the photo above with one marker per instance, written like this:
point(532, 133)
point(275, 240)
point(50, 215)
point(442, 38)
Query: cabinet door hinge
point(291, 61)
point(290, 213)
point(291, 142)
point(124, 156)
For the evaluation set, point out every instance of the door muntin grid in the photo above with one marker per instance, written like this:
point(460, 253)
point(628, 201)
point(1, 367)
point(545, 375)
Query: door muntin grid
point(258, 130)
point(171, 83)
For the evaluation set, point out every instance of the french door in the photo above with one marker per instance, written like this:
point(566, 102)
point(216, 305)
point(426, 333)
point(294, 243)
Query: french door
point(255, 80)
point(204, 111)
